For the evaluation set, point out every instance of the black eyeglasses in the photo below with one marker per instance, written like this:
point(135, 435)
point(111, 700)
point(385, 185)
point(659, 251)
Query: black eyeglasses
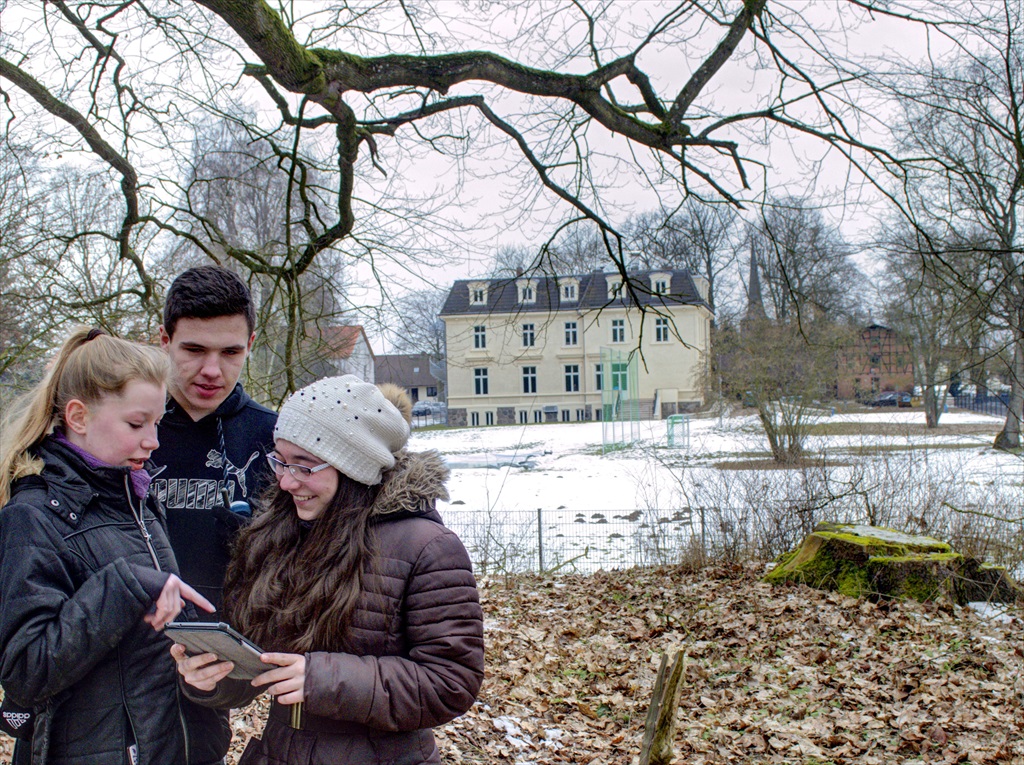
point(299, 472)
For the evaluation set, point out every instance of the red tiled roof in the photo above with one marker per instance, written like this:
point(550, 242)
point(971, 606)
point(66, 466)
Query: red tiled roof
point(342, 340)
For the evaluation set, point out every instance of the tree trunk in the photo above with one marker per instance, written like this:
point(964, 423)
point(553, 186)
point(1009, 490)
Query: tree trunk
point(1009, 436)
point(768, 423)
point(931, 407)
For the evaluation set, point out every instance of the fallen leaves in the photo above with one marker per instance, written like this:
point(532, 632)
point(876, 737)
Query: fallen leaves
point(774, 675)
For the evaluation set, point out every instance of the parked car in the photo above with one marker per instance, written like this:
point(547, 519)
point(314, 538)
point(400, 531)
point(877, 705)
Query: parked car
point(890, 398)
point(427, 408)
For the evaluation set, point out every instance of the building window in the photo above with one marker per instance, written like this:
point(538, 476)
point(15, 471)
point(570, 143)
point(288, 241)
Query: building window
point(620, 380)
point(572, 378)
point(598, 378)
point(529, 336)
point(529, 379)
point(565, 415)
point(581, 415)
point(571, 336)
point(479, 337)
point(614, 290)
point(488, 418)
point(538, 415)
point(661, 285)
point(526, 293)
point(618, 330)
point(522, 417)
point(568, 292)
point(431, 391)
point(477, 294)
point(480, 381)
point(661, 330)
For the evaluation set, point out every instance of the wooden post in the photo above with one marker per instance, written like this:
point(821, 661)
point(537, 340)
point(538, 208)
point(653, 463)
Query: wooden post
point(660, 726)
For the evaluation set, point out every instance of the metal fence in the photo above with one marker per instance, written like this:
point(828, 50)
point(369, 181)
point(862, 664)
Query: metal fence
point(431, 418)
point(994, 405)
point(504, 541)
point(548, 541)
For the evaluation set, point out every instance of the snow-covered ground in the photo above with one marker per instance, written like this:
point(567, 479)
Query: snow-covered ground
point(568, 468)
point(532, 494)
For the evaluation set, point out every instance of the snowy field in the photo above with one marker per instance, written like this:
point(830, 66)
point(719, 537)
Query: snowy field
point(564, 504)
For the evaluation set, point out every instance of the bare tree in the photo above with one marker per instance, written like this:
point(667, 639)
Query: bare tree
point(580, 248)
point(20, 331)
point(934, 320)
point(234, 193)
point(512, 260)
point(784, 369)
point(414, 326)
point(699, 237)
point(965, 119)
point(805, 264)
point(360, 97)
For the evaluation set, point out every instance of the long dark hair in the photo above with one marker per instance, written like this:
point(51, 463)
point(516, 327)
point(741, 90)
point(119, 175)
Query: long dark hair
point(294, 588)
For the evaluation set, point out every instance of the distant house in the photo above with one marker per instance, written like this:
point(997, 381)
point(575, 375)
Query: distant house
point(879, 360)
point(410, 371)
point(568, 348)
point(348, 352)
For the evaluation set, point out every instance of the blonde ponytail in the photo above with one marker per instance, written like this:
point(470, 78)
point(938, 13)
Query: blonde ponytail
point(89, 365)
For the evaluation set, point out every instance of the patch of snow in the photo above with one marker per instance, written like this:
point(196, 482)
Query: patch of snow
point(550, 738)
point(513, 733)
point(888, 535)
point(996, 612)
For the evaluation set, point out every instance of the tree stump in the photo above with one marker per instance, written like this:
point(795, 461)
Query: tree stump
point(660, 726)
point(868, 561)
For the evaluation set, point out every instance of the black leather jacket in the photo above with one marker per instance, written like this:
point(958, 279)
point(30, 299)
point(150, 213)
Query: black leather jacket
point(76, 575)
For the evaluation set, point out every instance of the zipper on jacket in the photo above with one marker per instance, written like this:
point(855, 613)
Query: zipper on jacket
point(140, 521)
point(184, 728)
point(127, 715)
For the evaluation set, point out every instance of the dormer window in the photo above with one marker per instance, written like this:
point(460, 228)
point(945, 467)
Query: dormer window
point(614, 289)
point(527, 290)
point(660, 283)
point(570, 291)
point(478, 293)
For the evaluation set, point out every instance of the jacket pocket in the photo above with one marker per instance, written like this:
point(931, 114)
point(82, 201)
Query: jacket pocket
point(253, 754)
point(298, 750)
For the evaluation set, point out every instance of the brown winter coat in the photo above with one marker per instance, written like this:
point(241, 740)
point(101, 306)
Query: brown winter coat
point(418, 653)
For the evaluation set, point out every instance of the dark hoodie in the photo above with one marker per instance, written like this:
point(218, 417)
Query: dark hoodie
point(196, 461)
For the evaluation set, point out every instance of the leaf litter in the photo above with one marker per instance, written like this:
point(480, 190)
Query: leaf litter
point(775, 674)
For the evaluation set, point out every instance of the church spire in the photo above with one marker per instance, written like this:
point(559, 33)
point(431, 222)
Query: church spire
point(755, 302)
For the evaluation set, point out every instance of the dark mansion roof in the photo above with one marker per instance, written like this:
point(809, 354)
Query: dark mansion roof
point(503, 293)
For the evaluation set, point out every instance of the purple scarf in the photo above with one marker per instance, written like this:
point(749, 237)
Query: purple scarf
point(141, 479)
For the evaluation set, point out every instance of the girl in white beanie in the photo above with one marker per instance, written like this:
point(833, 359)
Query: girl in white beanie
point(364, 601)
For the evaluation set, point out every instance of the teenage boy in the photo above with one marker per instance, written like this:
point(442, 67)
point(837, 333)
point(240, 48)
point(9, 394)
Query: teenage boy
point(213, 438)
point(213, 445)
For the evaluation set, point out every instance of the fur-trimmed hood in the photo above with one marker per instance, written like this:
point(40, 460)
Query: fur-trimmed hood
point(413, 485)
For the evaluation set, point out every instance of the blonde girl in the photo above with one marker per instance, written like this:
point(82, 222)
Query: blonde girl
point(87, 578)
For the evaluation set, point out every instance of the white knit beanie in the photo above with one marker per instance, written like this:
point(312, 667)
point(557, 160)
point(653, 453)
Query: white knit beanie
point(346, 422)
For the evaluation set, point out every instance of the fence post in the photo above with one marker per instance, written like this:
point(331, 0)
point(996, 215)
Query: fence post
point(703, 535)
point(540, 541)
